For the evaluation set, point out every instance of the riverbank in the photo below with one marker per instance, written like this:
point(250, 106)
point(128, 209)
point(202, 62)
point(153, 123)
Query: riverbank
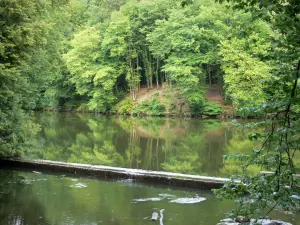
point(166, 115)
point(161, 102)
point(165, 102)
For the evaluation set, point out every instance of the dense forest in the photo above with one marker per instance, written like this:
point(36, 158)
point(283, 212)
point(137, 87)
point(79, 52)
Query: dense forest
point(97, 54)
point(90, 55)
point(102, 55)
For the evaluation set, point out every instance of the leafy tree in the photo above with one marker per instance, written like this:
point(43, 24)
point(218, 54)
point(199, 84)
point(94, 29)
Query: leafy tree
point(246, 73)
point(91, 78)
point(142, 19)
point(260, 194)
point(118, 47)
point(100, 11)
point(48, 73)
point(18, 36)
point(189, 42)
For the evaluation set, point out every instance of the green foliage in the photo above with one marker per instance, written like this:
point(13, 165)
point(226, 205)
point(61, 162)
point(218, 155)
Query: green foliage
point(126, 107)
point(280, 136)
point(212, 108)
point(249, 110)
point(198, 39)
point(246, 75)
point(100, 11)
point(91, 51)
point(151, 107)
point(18, 37)
point(91, 78)
point(85, 53)
point(46, 70)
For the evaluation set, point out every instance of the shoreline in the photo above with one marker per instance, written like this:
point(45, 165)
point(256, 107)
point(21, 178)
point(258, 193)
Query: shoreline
point(165, 115)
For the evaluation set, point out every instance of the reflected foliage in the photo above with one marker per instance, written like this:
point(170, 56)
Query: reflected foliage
point(16, 204)
point(176, 145)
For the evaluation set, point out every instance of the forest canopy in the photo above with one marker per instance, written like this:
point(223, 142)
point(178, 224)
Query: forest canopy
point(88, 54)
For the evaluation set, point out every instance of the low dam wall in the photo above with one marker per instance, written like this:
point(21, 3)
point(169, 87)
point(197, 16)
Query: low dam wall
point(155, 177)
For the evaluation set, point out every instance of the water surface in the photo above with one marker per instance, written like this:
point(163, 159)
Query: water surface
point(28, 198)
point(182, 145)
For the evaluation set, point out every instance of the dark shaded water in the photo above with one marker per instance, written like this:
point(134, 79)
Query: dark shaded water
point(37, 199)
point(191, 146)
point(181, 145)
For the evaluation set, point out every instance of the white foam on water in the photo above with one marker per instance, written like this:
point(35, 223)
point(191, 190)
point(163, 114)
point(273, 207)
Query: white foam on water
point(36, 172)
point(125, 181)
point(27, 181)
point(79, 185)
point(166, 195)
point(42, 179)
point(229, 221)
point(126, 170)
point(188, 200)
point(147, 200)
point(30, 181)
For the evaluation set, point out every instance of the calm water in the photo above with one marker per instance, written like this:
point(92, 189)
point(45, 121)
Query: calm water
point(36, 199)
point(190, 146)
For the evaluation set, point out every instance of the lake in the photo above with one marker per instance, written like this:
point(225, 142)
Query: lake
point(183, 145)
point(30, 198)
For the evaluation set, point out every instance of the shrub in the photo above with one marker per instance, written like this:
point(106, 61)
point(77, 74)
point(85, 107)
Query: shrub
point(126, 107)
point(152, 107)
point(212, 108)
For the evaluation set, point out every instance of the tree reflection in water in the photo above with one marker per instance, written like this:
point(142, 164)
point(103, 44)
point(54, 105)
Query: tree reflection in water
point(17, 205)
point(181, 145)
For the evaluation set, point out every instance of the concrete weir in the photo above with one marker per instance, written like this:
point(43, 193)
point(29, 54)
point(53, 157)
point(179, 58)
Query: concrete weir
point(155, 177)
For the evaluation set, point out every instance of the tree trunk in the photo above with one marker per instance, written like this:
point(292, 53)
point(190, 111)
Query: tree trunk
point(146, 65)
point(132, 79)
point(137, 70)
point(209, 75)
point(150, 70)
point(157, 65)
